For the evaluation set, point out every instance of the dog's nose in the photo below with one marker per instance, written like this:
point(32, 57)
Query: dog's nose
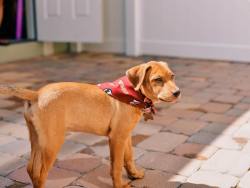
point(177, 93)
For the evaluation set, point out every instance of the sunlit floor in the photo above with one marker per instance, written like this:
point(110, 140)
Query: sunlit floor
point(201, 141)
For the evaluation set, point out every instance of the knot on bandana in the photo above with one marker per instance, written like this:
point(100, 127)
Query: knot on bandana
point(149, 110)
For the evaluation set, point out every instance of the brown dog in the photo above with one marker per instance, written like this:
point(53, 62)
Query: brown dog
point(60, 107)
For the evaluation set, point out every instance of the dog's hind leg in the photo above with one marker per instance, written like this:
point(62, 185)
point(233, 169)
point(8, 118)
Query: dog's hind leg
point(43, 153)
point(129, 164)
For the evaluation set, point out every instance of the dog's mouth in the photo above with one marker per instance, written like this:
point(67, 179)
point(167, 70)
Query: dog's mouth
point(168, 100)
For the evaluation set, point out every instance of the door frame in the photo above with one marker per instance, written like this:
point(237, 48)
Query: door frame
point(133, 23)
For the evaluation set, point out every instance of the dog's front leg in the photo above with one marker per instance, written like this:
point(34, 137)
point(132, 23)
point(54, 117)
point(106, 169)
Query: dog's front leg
point(117, 149)
point(129, 164)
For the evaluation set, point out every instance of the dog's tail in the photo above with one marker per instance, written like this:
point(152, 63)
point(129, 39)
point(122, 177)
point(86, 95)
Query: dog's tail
point(21, 93)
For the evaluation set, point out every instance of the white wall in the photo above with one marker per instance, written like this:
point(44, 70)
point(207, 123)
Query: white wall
point(114, 28)
point(211, 29)
point(217, 29)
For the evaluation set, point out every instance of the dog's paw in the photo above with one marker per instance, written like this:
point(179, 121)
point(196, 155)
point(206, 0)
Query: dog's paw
point(139, 174)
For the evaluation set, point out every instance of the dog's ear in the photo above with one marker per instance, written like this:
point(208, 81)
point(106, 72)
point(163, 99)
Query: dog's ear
point(136, 75)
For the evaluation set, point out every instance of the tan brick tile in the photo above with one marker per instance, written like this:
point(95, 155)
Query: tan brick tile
point(219, 128)
point(69, 148)
point(136, 139)
point(19, 110)
point(20, 175)
point(23, 84)
point(146, 129)
point(8, 76)
point(164, 142)
point(3, 97)
point(235, 112)
point(15, 130)
point(205, 95)
point(194, 99)
point(231, 99)
point(159, 179)
point(185, 106)
point(218, 118)
point(28, 186)
point(57, 177)
point(192, 185)
point(102, 151)
point(185, 114)
point(18, 119)
point(220, 141)
point(5, 182)
point(198, 85)
point(9, 163)
point(97, 178)
point(6, 139)
point(242, 106)
point(186, 91)
point(6, 103)
point(160, 106)
point(138, 152)
point(241, 86)
point(195, 151)
point(78, 162)
point(85, 138)
point(163, 120)
point(17, 147)
point(219, 90)
point(7, 113)
point(169, 163)
point(246, 100)
point(87, 151)
point(216, 107)
point(187, 127)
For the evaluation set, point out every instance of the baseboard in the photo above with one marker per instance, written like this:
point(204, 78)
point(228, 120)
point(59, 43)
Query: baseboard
point(26, 50)
point(109, 45)
point(20, 51)
point(196, 50)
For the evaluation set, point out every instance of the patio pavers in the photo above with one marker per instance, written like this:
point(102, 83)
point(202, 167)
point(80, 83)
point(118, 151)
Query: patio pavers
point(201, 141)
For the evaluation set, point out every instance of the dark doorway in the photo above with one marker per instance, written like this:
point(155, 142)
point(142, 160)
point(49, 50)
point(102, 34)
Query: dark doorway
point(18, 21)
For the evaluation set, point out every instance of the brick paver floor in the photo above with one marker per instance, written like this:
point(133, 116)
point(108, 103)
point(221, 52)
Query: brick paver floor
point(201, 141)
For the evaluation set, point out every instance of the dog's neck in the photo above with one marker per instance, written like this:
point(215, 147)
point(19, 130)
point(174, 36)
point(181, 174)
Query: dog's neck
point(123, 90)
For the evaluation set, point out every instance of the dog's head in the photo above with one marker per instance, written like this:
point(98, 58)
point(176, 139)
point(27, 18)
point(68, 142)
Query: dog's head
point(155, 80)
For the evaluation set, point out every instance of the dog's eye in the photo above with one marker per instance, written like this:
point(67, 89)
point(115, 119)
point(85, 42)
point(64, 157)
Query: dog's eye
point(159, 80)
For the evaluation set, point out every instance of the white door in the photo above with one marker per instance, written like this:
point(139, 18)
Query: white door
point(69, 20)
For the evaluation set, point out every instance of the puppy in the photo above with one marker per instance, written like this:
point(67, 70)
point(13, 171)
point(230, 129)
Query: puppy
point(60, 107)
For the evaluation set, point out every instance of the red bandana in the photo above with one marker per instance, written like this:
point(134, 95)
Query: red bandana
point(123, 90)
